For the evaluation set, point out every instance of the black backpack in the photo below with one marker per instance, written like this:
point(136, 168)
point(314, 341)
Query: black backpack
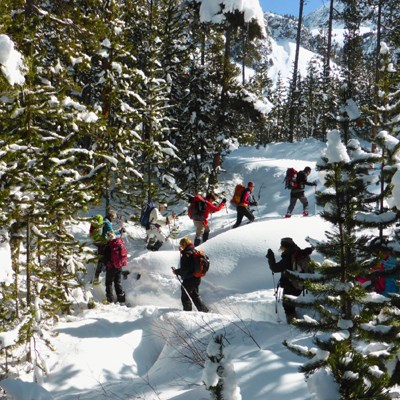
point(301, 262)
point(145, 215)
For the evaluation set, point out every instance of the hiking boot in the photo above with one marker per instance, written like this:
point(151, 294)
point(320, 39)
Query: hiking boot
point(305, 213)
point(288, 215)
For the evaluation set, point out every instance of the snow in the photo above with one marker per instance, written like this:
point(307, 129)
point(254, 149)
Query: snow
point(135, 350)
point(11, 64)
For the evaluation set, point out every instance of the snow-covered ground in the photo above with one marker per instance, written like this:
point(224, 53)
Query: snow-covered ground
point(135, 351)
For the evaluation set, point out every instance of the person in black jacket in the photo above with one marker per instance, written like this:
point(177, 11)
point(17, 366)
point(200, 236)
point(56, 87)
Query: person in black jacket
point(297, 193)
point(288, 248)
point(190, 284)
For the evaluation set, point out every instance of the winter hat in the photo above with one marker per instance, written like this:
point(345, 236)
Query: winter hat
point(250, 184)
point(287, 241)
point(307, 169)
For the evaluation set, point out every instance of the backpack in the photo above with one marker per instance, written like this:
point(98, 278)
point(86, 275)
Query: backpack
point(197, 208)
point(115, 254)
point(201, 263)
point(96, 229)
point(145, 215)
point(291, 179)
point(237, 194)
point(301, 262)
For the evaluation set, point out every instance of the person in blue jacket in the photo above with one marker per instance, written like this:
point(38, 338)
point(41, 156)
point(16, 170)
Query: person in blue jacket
point(108, 225)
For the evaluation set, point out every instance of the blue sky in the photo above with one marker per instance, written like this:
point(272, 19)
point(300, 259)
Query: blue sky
point(290, 6)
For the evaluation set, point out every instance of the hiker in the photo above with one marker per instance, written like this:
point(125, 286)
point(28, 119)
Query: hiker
point(380, 279)
point(108, 225)
point(155, 236)
point(201, 222)
point(190, 284)
point(115, 257)
point(288, 248)
point(297, 193)
point(96, 234)
point(246, 200)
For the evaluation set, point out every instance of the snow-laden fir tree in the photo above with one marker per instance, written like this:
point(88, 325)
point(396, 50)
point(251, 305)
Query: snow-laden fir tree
point(354, 336)
point(219, 376)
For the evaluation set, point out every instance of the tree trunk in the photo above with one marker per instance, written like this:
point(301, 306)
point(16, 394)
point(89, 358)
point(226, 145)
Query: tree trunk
point(377, 75)
point(293, 86)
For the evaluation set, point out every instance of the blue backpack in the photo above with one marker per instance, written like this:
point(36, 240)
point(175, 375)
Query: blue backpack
point(145, 215)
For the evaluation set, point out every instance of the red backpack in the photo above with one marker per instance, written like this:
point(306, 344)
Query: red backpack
point(116, 254)
point(201, 263)
point(291, 179)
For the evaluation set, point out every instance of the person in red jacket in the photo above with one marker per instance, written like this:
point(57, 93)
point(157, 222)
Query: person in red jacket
point(201, 223)
point(246, 200)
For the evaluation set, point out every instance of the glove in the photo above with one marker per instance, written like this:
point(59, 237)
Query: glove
point(254, 203)
point(271, 257)
point(122, 230)
point(224, 201)
point(157, 226)
point(314, 183)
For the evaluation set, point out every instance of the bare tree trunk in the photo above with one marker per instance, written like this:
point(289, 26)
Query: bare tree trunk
point(377, 75)
point(293, 86)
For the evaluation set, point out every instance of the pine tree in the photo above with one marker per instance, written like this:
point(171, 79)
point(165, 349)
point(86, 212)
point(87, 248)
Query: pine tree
point(346, 319)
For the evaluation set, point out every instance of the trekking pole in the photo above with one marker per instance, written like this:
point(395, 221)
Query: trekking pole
point(258, 211)
point(121, 225)
point(181, 283)
point(276, 290)
point(315, 200)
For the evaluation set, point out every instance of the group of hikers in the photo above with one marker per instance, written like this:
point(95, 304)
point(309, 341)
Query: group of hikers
point(112, 255)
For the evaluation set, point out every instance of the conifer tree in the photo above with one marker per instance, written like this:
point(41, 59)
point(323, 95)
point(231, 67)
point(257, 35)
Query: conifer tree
point(346, 319)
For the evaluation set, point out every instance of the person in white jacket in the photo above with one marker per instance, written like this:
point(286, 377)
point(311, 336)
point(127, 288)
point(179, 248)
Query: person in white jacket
point(158, 219)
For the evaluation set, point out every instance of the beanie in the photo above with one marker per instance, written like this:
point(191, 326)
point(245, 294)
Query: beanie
point(286, 241)
point(250, 184)
point(307, 169)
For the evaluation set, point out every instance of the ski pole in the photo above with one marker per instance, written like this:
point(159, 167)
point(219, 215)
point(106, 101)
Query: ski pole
point(315, 200)
point(276, 290)
point(120, 223)
point(181, 283)
point(258, 211)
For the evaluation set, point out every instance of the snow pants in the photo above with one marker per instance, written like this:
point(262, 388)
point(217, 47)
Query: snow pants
point(243, 211)
point(190, 287)
point(294, 196)
point(113, 276)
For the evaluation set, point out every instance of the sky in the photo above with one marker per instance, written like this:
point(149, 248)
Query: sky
point(135, 351)
point(290, 6)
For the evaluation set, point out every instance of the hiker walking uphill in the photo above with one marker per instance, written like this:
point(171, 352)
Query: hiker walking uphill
point(293, 259)
point(297, 191)
point(199, 211)
point(246, 200)
point(189, 284)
